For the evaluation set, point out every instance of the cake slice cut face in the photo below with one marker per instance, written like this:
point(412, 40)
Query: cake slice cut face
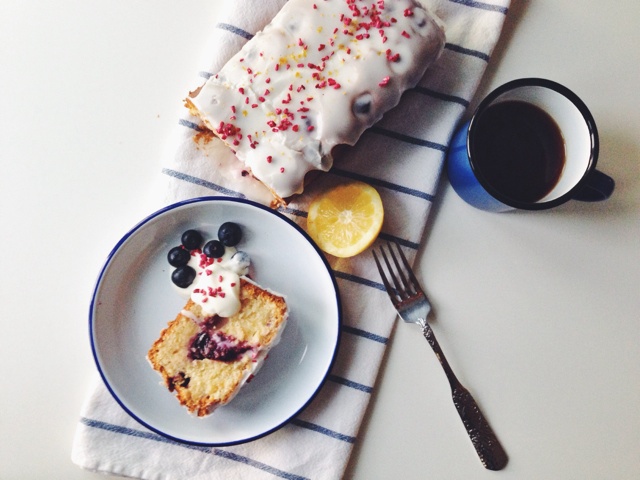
point(317, 76)
point(206, 359)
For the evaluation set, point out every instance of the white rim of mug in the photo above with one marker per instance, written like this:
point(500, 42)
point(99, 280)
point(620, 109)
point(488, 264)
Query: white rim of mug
point(586, 115)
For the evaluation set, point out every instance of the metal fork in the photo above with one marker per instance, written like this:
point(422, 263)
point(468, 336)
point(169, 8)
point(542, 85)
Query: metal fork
point(413, 306)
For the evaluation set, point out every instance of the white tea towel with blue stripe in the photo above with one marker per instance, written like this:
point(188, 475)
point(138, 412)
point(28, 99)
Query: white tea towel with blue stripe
point(402, 156)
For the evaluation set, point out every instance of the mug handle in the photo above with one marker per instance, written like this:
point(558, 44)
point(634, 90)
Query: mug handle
point(599, 186)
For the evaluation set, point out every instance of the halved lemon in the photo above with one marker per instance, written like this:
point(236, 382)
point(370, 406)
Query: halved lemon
point(346, 219)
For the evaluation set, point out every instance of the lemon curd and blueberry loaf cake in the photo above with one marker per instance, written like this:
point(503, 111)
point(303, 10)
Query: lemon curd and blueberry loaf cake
point(226, 329)
point(317, 76)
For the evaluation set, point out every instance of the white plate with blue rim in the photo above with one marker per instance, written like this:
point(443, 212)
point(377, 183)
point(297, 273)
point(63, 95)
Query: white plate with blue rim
point(134, 300)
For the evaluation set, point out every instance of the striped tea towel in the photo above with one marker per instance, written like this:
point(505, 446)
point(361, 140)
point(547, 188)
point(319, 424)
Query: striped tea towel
point(402, 156)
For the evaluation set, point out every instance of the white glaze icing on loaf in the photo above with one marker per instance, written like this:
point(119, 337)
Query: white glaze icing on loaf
point(317, 76)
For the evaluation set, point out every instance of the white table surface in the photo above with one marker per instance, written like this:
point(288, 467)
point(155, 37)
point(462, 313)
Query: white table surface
point(537, 312)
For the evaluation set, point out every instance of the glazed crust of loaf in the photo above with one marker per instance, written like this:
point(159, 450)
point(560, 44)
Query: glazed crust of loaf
point(316, 77)
point(201, 385)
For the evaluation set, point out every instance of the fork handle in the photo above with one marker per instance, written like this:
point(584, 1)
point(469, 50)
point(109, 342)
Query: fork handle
point(487, 446)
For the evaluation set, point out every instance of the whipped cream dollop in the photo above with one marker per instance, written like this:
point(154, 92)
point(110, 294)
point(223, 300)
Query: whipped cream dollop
point(217, 284)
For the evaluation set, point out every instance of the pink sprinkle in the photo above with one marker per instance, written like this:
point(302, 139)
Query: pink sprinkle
point(408, 12)
point(310, 128)
point(405, 34)
point(241, 90)
point(269, 159)
point(295, 128)
point(384, 82)
point(281, 169)
point(268, 79)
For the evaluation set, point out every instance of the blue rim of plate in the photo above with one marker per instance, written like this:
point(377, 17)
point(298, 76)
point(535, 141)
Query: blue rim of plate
point(164, 211)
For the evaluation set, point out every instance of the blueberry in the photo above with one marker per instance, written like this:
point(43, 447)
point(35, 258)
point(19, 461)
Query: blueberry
point(240, 262)
point(213, 249)
point(229, 234)
point(191, 239)
point(178, 256)
point(183, 276)
point(362, 104)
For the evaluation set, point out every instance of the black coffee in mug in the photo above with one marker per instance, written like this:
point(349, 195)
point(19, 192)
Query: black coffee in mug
point(531, 144)
point(519, 150)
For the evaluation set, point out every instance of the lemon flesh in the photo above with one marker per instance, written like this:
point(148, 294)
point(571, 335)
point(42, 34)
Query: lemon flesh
point(346, 219)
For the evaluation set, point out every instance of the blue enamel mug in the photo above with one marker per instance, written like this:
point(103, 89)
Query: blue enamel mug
point(531, 144)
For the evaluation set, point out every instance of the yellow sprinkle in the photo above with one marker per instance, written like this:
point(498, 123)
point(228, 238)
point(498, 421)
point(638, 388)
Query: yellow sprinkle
point(244, 113)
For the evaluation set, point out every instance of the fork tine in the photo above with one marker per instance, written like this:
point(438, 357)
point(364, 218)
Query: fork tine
point(406, 285)
point(408, 269)
point(390, 291)
point(400, 289)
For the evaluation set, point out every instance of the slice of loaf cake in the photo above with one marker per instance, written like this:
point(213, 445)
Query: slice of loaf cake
point(205, 360)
